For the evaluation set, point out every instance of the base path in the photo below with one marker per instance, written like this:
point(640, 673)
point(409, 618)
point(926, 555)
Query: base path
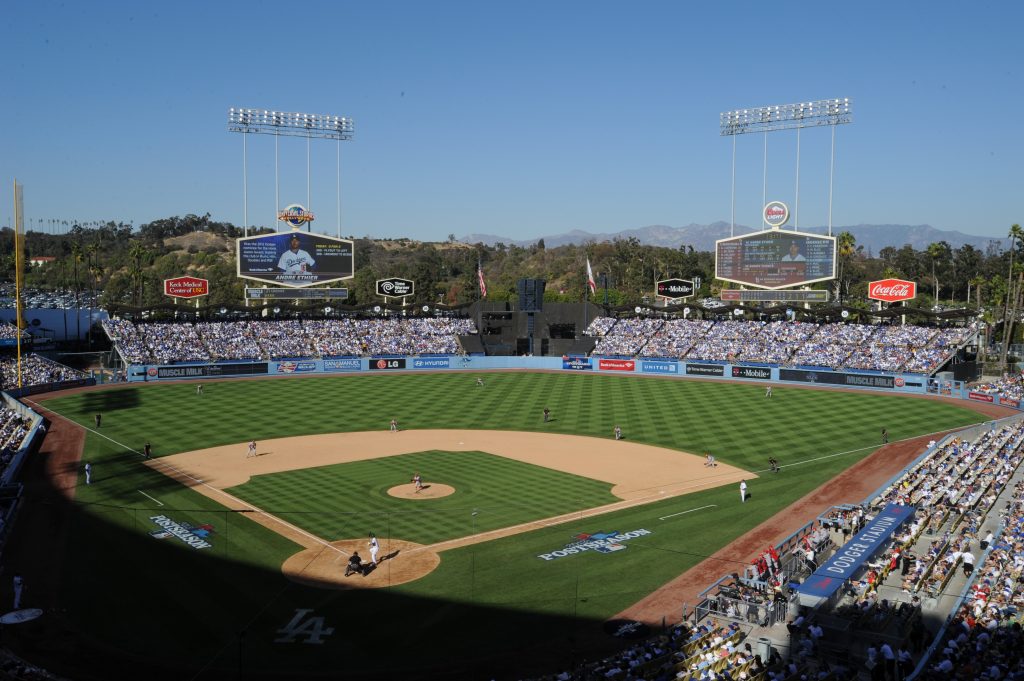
point(638, 473)
point(635, 470)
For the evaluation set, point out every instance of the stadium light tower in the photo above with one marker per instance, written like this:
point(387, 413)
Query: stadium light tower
point(765, 119)
point(289, 124)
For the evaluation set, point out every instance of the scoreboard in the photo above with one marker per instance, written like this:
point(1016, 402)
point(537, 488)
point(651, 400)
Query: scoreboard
point(775, 259)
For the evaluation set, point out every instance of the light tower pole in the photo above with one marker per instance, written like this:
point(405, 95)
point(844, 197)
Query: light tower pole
point(765, 119)
point(288, 124)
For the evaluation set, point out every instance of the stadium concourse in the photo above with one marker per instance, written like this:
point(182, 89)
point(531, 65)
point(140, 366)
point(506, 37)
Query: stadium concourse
point(911, 349)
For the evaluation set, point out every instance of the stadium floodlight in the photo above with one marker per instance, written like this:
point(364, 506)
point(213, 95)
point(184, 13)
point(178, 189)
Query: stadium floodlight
point(786, 116)
point(262, 121)
point(288, 124)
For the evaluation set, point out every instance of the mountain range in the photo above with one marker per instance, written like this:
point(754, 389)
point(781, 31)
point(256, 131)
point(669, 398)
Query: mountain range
point(702, 237)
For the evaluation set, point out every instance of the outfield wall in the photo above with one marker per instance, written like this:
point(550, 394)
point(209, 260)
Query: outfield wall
point(822, 377)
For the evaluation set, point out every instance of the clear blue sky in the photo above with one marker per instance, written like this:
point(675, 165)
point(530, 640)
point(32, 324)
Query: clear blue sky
point(517, 119)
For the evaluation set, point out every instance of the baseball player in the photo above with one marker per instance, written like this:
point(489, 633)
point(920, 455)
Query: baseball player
point(394, 425)
point(479, 381)
point(618, 433)
point(295, 260)
point(147, 451)
point(19, 585)
point(768, 391)
point(743, 491)
point(199, 388)
point(252, 449)
point(547, 414)
point(88, 473)
point(417, 482)
point(99, 420)
point(374, 548)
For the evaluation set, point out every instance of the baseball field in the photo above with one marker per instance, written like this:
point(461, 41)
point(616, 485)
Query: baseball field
point(207, 563)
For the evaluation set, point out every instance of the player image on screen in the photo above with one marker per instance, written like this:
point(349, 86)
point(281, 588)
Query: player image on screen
point(295, 260)
point(794, 254)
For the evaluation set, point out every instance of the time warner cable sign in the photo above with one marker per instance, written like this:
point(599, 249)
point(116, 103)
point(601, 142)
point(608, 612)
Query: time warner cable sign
point(295, 259)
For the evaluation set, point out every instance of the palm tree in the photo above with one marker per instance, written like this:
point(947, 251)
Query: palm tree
point(76, 257)
point(846, 246)
point(1016, 235)
point(935, 252)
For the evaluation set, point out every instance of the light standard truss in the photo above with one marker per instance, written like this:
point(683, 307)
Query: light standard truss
point(264, 121)
point(786, 116)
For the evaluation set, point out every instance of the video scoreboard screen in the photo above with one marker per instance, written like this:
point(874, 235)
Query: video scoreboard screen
point(776, 259)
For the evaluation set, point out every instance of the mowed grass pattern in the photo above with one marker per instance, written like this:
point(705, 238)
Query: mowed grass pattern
point(482, 599)
point(733, 421)
point(352, 499)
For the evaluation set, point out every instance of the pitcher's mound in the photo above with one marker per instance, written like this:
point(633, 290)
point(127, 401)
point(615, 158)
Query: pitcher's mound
point(431, 490)
point(398, 562)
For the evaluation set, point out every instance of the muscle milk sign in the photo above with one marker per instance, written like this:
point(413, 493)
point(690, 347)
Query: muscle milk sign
point(892, 290)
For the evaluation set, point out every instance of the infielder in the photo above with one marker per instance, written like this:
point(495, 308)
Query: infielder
point(743, 491)
point(374, 548)
point(394, 425)
point(252, 449)
point(417, 482)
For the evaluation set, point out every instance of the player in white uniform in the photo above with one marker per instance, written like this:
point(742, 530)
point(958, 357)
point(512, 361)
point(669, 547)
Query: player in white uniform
point(295, 260)
point(374, 548)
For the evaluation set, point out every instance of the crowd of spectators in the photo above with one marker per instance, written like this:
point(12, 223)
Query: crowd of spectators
point(1009, 387)
point(628, 336)
point(167, 343)
point(985, 639)
point(35, 370)
point(13, 429)
point(8, 331)
point(785, 343)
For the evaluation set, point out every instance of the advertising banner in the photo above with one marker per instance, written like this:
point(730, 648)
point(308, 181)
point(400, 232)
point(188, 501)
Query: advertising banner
point(980, 397)
point(387, 364)
point(294, 259)
point(760, 373)
point(203, 370)
point(352, 364)
point(653, 367)
point(576, 363)
point(295, 367)
point(430, 363)
point(616, 365)
point(835, 378)
point(186, 287)
point(705, 370)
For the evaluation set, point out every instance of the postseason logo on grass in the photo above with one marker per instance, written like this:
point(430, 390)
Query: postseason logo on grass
point(601, 542)
point(193, 535)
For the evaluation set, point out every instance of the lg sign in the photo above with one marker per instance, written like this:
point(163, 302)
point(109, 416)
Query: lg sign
point(892, 290)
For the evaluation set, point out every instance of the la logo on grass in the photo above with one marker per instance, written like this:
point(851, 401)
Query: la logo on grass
point(312, 629)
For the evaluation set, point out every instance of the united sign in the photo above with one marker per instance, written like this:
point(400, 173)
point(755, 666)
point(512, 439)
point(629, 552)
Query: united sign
point(892, 290)
point(186, 287)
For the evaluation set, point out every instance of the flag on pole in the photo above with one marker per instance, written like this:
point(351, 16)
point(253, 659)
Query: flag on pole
point(590, 278)
point(480, 278)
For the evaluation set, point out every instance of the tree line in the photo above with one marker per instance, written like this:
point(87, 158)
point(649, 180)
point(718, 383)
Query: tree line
point(126, 266)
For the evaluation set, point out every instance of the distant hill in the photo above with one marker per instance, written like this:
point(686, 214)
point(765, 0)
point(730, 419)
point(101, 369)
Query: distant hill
point(702, 237)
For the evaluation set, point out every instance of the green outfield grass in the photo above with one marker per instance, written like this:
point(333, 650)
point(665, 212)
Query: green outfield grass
point(482, 600)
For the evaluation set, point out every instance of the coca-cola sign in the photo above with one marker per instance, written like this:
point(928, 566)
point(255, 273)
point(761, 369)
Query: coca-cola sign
point(892, 290)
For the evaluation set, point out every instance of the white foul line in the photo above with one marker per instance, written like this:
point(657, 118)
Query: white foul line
point(149, 497)
point(666, 517)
